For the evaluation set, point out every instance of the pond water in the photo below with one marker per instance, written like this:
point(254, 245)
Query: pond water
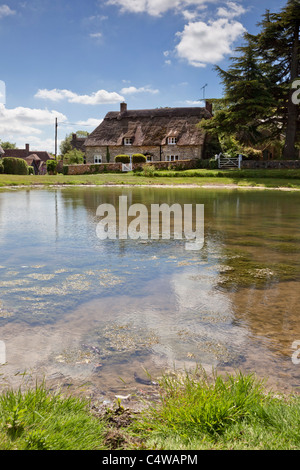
point(91, 314)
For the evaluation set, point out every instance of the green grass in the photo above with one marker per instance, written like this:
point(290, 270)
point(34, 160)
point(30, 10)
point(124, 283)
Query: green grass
point(232, 412)
point(194, 412)
point(38, 420)
point(267, 178)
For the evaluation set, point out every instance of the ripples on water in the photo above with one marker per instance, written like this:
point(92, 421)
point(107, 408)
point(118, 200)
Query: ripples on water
point(76, 307)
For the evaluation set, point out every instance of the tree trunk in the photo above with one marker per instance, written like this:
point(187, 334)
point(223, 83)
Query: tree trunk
point(290, 152)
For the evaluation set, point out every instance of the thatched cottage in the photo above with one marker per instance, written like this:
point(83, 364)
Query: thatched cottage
point(164, 134)
point(37, 159)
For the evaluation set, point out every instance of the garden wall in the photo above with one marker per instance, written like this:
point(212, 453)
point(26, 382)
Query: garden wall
point(90, 168)
point(271, 164)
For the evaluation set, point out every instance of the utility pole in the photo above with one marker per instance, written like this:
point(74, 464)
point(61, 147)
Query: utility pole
point(56, 125)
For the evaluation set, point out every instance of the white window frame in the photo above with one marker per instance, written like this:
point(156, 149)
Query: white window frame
point(127, 141)
point(172, 158)
point(97, 158)
point(172, 140)
point(149, 158)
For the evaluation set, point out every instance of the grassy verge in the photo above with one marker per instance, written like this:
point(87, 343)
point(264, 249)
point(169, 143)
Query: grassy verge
point(193, 413)
point(265, 178)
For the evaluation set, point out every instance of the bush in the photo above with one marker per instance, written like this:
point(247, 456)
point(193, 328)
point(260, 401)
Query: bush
point(15, 166)
point(1, 168)
point(149, 170)
point(65, 169)
point(139, 158)
point(250, 153)
point(30, 170)
point(74, 157)
point(213, 164)
point(122, 159)
point(52, 167)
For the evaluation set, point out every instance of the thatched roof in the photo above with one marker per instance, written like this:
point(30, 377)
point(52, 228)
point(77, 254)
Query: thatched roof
point(33, 158)
point(150, 127)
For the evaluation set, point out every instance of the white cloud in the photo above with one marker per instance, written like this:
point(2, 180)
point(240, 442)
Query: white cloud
point(133, 90)
point(5, 10)
point(91, 122)
point(232, 10)
point(23, 121)
point(96, 35)
point(157, 7)
point(99, 97)
point(208, 43)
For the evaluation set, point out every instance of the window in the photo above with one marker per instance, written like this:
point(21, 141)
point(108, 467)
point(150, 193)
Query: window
point(149, 158)
point(97, 159)
point(172, 140)
point(127, 141)
point(172, 158)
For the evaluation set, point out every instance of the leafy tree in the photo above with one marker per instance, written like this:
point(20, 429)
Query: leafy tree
point(66, 146)
point(73, 156)
point(7, 145)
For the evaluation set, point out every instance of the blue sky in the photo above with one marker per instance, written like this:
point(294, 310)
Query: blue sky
point(77, 60)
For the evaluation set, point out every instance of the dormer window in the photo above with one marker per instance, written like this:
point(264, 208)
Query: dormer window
point(127, 141)
point(172, 141)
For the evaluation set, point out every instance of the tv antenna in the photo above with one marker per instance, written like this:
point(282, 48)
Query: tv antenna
point(203, 88)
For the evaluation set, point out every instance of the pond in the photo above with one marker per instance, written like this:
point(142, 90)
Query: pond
point(97, 314)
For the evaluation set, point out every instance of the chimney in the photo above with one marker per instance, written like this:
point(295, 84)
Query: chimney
point(27, 147)
point(123, 107)
point(209, 107)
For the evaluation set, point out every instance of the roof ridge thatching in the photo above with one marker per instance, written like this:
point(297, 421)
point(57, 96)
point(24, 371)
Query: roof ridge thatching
point(150, 127)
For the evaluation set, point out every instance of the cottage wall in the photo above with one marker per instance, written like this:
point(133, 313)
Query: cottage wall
point(156, 152)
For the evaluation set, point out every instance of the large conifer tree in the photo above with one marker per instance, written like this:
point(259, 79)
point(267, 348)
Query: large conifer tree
point(257, 105)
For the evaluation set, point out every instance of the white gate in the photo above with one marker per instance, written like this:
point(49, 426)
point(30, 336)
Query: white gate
point(126, 167)
point(228, 162)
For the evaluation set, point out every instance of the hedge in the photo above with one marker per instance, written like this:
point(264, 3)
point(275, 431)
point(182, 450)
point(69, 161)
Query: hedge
point(15, 166)
point(139, 158)
point(122, 159)
point(1, 168)
point(52, 167)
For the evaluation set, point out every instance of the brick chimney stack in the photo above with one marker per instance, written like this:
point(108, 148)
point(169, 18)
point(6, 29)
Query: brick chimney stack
point(209, 107)
point(27, 147)
point(123, 107)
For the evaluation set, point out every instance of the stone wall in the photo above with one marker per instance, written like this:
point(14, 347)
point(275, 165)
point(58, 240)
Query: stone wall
point(156, 153)
point(271, 164)
point(91, 168)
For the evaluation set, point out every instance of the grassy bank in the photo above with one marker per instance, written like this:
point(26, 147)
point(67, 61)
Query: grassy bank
point(265, 178)
point(193, 413)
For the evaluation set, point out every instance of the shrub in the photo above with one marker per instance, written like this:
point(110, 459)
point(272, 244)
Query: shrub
point(52, 167)
point(1, 168)
point(149, 170)
point(65, 169)
point(30, 170)
point(122, 159)
point(74, 157)
point(15, 166)
point(213, 164)
point(250, 153)
point(139, 158)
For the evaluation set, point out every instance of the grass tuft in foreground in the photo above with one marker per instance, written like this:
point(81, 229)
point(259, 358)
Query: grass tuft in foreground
point(232, 412)
point(38, 420)
point(194, 412)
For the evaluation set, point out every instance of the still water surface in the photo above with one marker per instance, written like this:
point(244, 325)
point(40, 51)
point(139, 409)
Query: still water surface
point(81, 310)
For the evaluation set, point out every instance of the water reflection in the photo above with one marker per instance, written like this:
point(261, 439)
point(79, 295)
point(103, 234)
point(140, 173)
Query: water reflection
point(74, 305)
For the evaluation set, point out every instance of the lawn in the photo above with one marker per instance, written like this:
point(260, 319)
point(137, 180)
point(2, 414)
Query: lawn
point(264, 178)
